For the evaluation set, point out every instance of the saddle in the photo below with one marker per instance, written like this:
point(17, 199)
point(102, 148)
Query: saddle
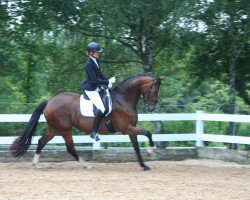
point(88, 109)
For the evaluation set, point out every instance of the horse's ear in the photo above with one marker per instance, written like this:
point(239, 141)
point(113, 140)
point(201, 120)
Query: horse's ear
point(161, 78)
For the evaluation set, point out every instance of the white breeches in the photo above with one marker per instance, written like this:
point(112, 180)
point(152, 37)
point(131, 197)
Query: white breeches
point(96, 99)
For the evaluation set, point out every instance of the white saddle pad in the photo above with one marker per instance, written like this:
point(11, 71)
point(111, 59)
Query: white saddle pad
point(87, 107)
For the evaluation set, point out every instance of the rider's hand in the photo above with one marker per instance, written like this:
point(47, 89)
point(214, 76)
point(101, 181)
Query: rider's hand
point(111, 81)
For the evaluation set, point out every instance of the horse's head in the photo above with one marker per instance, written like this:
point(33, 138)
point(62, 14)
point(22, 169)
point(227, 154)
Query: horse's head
point(150, 90)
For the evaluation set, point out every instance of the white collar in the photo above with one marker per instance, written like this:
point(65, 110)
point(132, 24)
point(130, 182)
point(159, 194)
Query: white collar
point(94, 59)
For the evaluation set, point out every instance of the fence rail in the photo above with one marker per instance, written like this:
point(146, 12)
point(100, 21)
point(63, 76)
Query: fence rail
point(199, 136)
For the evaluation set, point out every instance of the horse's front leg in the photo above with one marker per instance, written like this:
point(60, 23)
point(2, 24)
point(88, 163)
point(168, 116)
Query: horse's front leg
point(133, 132)
point(135, 143)
point(148, 135)
point(152, 147)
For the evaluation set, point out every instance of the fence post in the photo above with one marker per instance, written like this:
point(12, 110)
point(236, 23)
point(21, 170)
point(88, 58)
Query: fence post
point(199, 129)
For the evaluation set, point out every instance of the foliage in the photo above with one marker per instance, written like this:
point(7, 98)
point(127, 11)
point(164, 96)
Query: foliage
point(201, 47)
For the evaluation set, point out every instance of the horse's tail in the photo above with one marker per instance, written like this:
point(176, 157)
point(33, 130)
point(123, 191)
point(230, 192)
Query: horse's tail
point(23, 142)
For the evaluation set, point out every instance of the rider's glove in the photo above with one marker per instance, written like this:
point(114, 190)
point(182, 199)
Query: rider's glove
point(111, 81)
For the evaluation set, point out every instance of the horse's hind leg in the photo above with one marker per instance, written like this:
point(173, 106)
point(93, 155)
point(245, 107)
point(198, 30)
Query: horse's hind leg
point(67, 136)
point(41, 144)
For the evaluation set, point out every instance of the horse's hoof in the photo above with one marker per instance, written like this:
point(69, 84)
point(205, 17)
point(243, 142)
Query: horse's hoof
point(146, 168)
point(151, 151)
point(88, 167)
point(85, 164)
point(37, 166)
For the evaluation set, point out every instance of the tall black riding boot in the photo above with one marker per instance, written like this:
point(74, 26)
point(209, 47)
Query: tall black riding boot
point(94, 134)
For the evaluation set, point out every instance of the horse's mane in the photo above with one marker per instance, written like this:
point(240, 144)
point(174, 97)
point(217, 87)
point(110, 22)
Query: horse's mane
point(131, 78)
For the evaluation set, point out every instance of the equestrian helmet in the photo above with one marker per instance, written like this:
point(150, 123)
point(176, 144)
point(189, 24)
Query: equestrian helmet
point(94, 46)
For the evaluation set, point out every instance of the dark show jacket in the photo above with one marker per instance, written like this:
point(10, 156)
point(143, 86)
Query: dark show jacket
point(95, 76)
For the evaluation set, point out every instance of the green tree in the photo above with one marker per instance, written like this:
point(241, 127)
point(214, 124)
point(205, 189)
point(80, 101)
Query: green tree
point(221, 48)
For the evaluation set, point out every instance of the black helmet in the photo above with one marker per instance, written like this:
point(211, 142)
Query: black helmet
point(94, 46)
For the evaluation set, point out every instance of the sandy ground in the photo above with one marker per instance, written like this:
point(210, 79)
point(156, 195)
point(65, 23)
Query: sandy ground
point(172, 180)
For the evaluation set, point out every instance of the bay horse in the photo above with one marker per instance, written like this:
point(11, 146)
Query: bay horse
point(62, 113)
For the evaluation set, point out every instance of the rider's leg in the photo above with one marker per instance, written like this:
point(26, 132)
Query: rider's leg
point(97, 120)
point(96, 99)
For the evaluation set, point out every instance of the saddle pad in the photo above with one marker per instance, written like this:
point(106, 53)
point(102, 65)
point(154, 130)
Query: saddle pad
point(86, 107)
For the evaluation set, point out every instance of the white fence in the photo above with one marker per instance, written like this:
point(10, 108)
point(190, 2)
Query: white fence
point(199, 136)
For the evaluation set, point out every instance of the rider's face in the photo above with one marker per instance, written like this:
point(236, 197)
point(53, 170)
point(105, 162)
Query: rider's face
point(96, 54)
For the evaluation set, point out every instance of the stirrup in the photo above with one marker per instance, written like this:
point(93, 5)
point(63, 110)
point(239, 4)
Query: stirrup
point(95, 136)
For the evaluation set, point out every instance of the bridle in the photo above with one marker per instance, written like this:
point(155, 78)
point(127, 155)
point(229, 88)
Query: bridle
point(148, 93)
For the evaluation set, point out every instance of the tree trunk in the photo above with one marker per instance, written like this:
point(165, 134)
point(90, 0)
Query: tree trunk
point(232, 91)
point(159, 129)
point(28, 79)
point(148, 54)
point(148, 67)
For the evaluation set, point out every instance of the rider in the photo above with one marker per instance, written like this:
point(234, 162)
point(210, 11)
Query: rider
point(91, 85)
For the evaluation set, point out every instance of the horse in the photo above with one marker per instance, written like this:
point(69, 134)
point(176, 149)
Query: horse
point(62, 113)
